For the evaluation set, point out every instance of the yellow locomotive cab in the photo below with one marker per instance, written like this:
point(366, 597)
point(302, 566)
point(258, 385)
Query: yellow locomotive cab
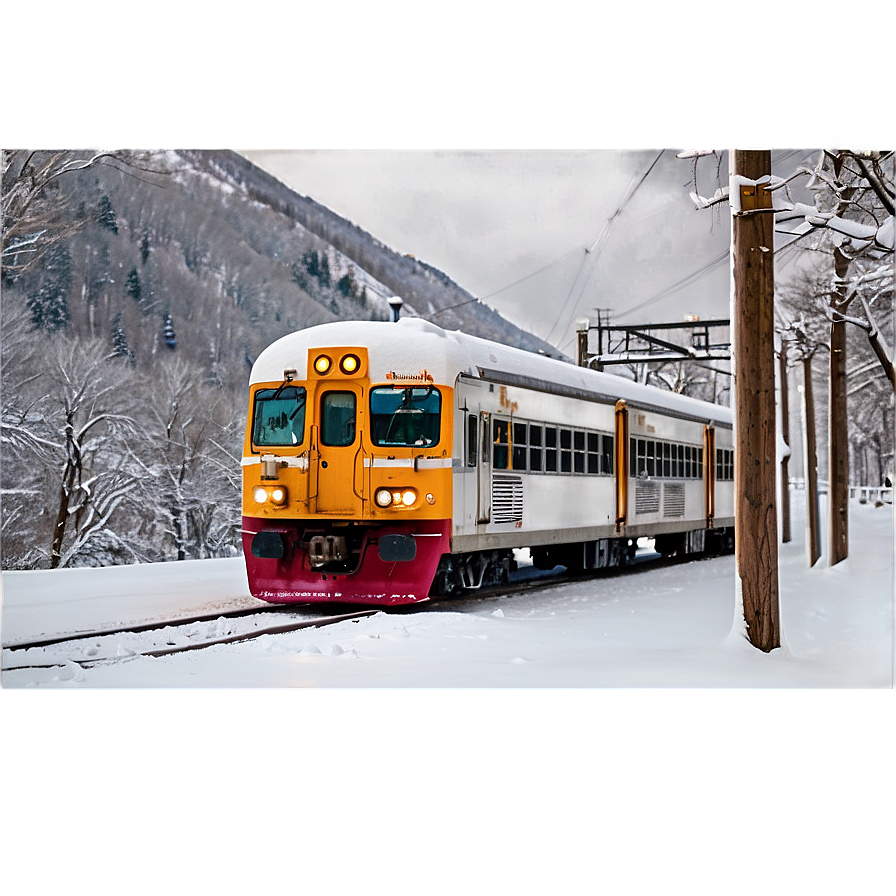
point(339, 468)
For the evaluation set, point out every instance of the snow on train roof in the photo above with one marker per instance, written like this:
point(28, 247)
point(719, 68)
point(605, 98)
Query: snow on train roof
point(412, 345)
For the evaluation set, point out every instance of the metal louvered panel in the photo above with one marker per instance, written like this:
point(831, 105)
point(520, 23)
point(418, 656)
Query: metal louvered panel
point(507, 498)
point(673, 499)
point(647, 497)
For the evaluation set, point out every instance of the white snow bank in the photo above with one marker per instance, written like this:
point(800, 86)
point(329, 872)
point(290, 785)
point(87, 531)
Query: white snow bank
point(657, 628)
point(45, 603)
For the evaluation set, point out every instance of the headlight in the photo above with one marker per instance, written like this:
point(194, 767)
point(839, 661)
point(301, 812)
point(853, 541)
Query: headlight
point(322, 364)
point(276, 495)
point(395, 497)
point(350, 364)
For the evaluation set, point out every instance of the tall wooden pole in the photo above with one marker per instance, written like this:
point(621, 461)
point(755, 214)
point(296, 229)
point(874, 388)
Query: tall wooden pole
point(813, 534)
point(753, 324)
point(838, 432)
point(785, 435)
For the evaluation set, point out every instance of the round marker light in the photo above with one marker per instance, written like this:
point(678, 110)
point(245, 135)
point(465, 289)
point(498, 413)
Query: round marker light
point(408, 497)
point(383, 497)
point(350, 364)
point(322, 364)
point(260, 495)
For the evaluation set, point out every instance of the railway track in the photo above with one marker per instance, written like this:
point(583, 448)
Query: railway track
point(166, 638)
point(169, 637)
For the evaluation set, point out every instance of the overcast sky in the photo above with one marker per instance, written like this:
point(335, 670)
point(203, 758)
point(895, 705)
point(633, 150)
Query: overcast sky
point(512, 226)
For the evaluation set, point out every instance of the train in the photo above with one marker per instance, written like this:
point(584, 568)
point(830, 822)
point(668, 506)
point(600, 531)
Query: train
point(386, 463)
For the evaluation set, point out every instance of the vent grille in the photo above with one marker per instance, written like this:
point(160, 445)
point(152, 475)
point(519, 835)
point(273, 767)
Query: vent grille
point(673, 499)
point(507, 499)
point(647, 497)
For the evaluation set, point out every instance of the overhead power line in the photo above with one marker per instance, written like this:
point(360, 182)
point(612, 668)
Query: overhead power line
point(693, 277)
point(592, 252)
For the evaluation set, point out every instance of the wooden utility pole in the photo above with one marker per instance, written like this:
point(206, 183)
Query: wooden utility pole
point(785, 436)
point(813, 535)
point(838, 432)
point(753, 323)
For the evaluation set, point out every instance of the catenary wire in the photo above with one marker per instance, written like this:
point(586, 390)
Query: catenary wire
point(593, 251)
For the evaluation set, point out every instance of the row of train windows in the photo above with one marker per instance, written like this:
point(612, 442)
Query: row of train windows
point(538, 448)
point(725, 464)
point(650, 457)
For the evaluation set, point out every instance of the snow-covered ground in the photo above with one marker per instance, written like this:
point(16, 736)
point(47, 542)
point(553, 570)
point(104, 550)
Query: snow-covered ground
point(618, 731)
point(669, 627)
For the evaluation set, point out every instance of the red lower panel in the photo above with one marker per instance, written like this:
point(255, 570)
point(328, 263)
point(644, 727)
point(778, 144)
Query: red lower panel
point(291, 579)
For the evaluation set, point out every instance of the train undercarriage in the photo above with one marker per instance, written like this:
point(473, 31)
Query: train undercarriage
point(405, 563)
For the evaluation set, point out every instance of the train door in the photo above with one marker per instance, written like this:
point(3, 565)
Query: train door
point(622, 465)
point(338, 454)
point(709, 474)
point(484, 470)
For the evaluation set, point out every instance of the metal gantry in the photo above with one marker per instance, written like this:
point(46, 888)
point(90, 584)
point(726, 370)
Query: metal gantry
point(699, 340)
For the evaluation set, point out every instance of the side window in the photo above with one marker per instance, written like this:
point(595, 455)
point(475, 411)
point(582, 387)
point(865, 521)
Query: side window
point(472, 439)
point(593, 452)
point(337, 419)
point(578, 458)
point(550, 449)
point(640, 467)
point(724, 464)
point(606, 464)
point(500, 444)
point(535, 447)
point(565, 450)
point(519, 446)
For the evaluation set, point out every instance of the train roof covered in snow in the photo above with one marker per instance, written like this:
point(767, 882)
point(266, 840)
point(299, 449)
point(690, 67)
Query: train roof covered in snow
point(413, 347)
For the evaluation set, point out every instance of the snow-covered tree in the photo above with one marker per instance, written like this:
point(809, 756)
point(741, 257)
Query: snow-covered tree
point(48, 302)
point(120, 347)
point(133, 285)
point(851, 220)
point(181, 452)
point(94, 416)
point(105, 214)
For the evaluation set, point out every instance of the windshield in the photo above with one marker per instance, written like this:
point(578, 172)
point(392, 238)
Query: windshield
point(279, 416)
point(405, 415)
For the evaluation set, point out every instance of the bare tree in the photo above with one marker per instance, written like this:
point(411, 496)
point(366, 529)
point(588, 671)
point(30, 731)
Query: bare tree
point(93, 403)
point(184, 426)
point(35, 212)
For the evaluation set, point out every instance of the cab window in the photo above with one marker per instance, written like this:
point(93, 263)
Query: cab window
point(278, 417)
point(405, 416)
point(337, 418)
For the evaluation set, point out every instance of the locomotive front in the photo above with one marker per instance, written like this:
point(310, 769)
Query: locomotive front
point(346, 470)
